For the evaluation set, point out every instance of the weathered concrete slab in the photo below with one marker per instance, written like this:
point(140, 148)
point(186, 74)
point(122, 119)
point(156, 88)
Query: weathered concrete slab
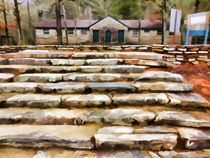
point(118, 116)
point(110, 86)
point(34, 100)
point(104, 61)
point(195, 138)
point(5, 77)
point(18, 87)
point(47, 136)
point(92, 77)
point(62, 87)
point(90, 69)
point(190, 119)
point(124, 69)
point(152, 63)
point(67, 62)
point(185, 154)
point(140, 141)
point(41, 116)
point(140, 99)
point(94, 100)
point(163, 86)
point(88, 55)
point(39, 77)
point(29, 61)
point(188, 99)
point(160, 76)
point(138, 55)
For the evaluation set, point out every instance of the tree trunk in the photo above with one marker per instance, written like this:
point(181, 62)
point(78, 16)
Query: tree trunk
point(5, 22)
point(17, 15)
point(75, 30)
point(164, 24)
point(31, 30)
point(58, 21)
point(197, 3)
point(182, 31)
point(65, 24)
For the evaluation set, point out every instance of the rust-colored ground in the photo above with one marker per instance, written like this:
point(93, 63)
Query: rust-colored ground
point(198, 75)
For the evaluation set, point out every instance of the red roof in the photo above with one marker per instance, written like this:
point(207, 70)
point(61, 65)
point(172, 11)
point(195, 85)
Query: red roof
point(133, 24)
point(51, 23)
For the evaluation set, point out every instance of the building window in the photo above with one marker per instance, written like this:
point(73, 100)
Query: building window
point(135, 32)
point(84, 31)
point(71, 31)
point(146, 31)
point(159, 32)
point(171, 33)
point(46, 31)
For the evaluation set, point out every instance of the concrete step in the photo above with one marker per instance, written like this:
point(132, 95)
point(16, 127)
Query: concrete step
point(119, 116)
point(35, 136)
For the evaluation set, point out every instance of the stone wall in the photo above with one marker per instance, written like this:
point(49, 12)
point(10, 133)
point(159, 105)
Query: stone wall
point(146, 38)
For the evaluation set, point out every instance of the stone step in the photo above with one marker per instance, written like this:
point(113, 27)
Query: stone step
point(11, 152)
point(195, 138)
point(151, 63)
point(36, 116)
point(119, 116)
point(68, 69)
point(132, 141)
point(37, 54)
point(167, 99)
point(183, 118)
point(36, 136)
point(80, 62)
point(159, 76)
point(185, 154)
point(6, 77)
point(53, 101)
point(39, 77)
point(98, 100)
point(102, 87)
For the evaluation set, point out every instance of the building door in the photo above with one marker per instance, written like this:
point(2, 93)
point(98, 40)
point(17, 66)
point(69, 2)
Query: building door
point(95, 36)
point(108, 36)
point(121, 36)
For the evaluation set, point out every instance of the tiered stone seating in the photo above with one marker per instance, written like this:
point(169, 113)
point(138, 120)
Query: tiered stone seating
point(99, 104)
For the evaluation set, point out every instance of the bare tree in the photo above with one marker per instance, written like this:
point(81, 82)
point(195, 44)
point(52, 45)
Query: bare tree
point(18, 20)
